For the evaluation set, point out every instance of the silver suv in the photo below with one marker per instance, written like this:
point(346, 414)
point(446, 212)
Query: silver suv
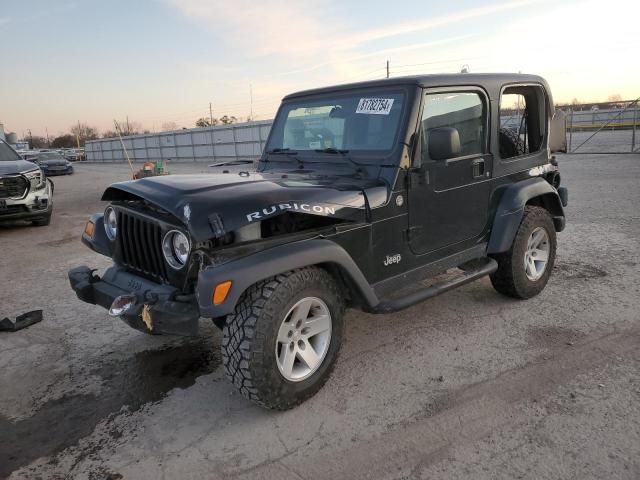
point(25, 192)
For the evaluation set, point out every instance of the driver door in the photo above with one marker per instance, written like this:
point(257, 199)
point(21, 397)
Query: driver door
point(449, 197)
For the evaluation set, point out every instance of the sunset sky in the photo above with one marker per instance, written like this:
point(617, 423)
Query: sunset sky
point(161, 61)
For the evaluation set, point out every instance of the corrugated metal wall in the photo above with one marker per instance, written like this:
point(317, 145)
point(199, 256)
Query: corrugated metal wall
point(220, 143)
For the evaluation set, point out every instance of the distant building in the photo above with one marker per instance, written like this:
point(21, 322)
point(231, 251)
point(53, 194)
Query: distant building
point(12, 139)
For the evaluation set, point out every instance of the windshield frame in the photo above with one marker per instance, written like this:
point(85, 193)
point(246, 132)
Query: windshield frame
point(364, 157)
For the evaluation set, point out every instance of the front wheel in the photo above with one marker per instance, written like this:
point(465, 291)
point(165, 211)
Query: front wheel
point(281, 343)
point(524, 270)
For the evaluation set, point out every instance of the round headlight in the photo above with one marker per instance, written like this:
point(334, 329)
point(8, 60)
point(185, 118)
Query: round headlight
point(110, 223)
point(176, 248)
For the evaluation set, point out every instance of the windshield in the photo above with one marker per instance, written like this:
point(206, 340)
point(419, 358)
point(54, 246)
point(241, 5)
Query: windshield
point(7, 154)
point(367, 121)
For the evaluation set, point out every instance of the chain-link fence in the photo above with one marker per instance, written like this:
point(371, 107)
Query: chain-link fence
point(610, 127)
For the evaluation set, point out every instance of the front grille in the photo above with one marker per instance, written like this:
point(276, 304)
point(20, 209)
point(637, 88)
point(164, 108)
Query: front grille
point(13, 209)
point(13, 187)
point(140, 242)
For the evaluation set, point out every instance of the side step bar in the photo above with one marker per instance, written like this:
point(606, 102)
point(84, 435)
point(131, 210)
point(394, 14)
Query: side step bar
point(391, 306)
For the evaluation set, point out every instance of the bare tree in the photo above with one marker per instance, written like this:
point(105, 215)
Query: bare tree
point(206, 122)
point(83, 132)
point(616, 97)
point(166, 126)
point(226, 119)
point(129, 127)
point(109, 134)
point(37, 142)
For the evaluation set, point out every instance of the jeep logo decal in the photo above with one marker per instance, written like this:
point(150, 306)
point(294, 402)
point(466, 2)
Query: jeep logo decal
point(304, 207)
point(392, 259)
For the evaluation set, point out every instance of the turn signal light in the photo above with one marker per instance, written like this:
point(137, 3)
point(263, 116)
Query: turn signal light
point(88, 230)
point(221, 291)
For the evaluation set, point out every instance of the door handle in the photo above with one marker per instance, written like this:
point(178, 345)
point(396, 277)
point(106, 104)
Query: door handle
point(478, 168)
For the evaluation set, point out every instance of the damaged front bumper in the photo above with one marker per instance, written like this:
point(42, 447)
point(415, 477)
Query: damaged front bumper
point(36, 204)
point(157, 309)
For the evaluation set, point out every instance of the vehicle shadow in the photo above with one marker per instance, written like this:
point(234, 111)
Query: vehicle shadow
point(134, 381)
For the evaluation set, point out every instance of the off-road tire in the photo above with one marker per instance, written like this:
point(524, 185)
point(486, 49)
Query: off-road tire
point(511, 145)
point(42, 222)
point(510, 279)
point(249, 337)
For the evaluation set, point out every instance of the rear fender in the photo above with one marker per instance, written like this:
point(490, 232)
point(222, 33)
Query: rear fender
point(536, 191)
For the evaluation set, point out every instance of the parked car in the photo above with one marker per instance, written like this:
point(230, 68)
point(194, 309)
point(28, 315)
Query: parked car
point(74, 155)
point(53, 163)
point(25, 192)
point(362, 190)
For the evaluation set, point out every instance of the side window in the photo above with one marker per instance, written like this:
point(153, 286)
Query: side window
point(522, 121)
point(464, 111)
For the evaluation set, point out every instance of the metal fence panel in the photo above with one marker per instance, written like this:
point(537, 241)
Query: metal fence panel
point(237, 141)
point(608, 127)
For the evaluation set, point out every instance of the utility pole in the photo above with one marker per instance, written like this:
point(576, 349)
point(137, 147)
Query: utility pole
point(210, 114)
point(30, 139)
point(46, 129)
point(387, 68)
point(128, 126)
point(250, 102)
point(78, 135)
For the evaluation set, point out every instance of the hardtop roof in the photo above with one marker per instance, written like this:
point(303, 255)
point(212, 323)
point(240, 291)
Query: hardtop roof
point(491, 82)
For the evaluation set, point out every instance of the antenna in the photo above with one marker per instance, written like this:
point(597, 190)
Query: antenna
point(124, 149)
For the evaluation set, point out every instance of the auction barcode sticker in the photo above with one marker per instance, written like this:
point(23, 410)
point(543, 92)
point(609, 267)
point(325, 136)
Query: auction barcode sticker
point(375, 106)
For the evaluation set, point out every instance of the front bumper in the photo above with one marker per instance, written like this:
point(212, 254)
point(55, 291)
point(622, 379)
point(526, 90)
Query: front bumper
point(159, 309)
point(37, 204)
point(50, 173)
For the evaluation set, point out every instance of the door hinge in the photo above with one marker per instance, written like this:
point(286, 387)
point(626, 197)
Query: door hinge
point(413, 232)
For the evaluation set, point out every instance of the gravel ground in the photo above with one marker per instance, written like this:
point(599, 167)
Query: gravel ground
point(468, 385)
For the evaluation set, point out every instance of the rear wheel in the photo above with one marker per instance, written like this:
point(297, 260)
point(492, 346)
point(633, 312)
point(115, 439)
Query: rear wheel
point(524, 270)
point(281, 343)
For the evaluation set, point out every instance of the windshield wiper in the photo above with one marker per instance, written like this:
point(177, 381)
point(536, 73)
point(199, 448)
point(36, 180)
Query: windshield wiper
point(344, 153)
point(285, 151)
point(282, 151)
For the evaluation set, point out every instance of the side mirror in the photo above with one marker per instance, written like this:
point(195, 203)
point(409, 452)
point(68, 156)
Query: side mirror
point(444, 143)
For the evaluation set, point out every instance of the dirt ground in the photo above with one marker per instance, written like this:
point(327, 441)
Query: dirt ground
point(468, 385)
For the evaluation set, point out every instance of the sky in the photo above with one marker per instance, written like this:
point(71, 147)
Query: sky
point(163, 61)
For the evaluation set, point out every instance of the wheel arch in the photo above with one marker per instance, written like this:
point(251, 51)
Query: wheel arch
point(251, 269)
point(534, 191)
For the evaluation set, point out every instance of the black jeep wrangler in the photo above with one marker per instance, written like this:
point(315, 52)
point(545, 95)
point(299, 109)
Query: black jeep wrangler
point(362, 190)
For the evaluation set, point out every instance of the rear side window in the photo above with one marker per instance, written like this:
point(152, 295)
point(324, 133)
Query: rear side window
point(464, 111)
point(522, 121)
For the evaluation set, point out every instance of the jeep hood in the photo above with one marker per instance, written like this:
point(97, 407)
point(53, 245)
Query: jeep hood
point(212, 204)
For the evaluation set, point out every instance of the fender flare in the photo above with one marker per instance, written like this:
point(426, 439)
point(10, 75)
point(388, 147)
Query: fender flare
point(100, 243)
point(259, 266)
point(511, 209)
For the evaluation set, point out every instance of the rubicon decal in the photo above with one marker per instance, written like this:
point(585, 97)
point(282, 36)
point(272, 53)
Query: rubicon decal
point(302, 207)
